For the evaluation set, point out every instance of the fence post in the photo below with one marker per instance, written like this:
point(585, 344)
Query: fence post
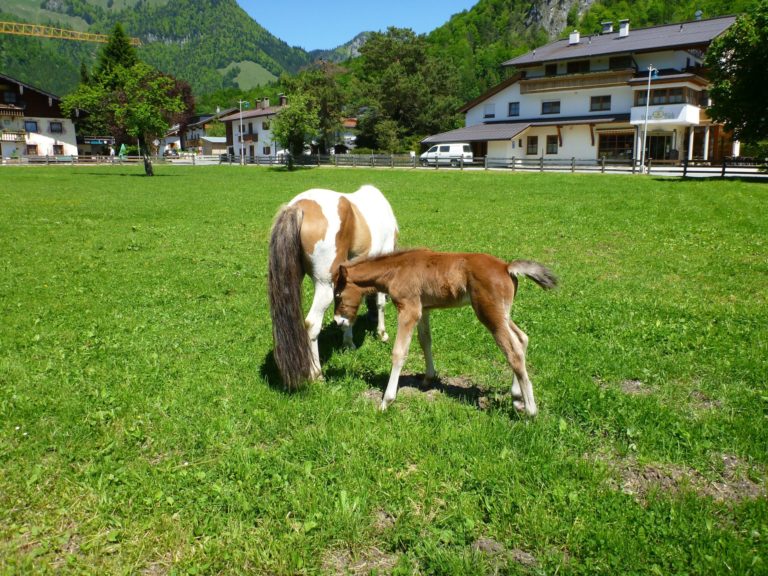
point(573, 164)
point(634, 165)
point(461, 163)
point(602, 164)
point(685, 167)
point(722, 172)
point(514, 161)
point(648, 170)
point(391, 160)
point(541, 164)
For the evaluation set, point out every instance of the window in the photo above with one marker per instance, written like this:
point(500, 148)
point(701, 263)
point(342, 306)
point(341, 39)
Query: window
point(9, 97)
point(30, 125)
point(552, 142)
point(551, 107)
point(56, 128)
point(616, 145)
point(514, 109)
point(265, 125)
point(58, 149)
point(661, 96)
point(620, 62)
point(550, 70)
point(445, 148)
point(676, 96)
point(266, 150)
point(532, 145)
point(31, 149)
point(489, 110)
point(599, 103)
point(578, 67)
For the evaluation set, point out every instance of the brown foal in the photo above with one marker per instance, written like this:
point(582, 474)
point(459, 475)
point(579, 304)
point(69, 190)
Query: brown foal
point(420, 280)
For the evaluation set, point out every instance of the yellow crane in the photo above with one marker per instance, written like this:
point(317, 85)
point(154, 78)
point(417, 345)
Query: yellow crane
point(21, 29)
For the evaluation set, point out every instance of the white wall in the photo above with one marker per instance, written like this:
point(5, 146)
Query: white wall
point(45, 140)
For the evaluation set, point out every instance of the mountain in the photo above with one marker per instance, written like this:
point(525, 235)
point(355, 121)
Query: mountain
point(344, 52)
point(215, 44)
point(212, 44)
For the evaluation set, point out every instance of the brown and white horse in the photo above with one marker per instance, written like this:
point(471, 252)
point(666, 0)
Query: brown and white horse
point(419, 281)
point(313, 234)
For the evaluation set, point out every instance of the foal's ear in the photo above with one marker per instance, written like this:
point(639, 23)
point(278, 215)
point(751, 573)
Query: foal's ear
point(340, 277)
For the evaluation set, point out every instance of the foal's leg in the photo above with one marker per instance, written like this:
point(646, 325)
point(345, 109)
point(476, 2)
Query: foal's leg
point(381, 329)
point(314, 322)
point(517, 394)
point(496, 318)
point(375, 304)
point(425, 339)
point(406, 319)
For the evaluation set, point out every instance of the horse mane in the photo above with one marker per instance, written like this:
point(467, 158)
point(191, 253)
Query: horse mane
point(394, 253)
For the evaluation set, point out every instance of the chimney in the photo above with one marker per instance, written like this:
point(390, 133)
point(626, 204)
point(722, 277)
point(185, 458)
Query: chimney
point(283, 99)
point(574, 38)
point(607, 27)
point(623, 28)
point(265, 103)
point(698, 14)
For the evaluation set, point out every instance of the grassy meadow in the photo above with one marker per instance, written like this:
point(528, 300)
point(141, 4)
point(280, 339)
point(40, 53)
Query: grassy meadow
point(143, 431)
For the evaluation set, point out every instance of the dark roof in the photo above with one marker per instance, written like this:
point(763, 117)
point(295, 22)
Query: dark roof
point(503, 130)
point(29, 87)
point(479, 133)
point(668, 36)
point(251, 113)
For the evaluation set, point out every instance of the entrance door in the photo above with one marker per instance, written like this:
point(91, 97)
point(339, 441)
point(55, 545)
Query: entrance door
point(659, 146)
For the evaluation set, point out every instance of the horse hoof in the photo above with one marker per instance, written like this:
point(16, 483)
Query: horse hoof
point(383, 336)
point(519, 405)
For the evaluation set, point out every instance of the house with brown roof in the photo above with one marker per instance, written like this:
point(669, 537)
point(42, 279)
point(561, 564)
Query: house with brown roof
point(32, 123)
point(589, 97)
point(249, 131)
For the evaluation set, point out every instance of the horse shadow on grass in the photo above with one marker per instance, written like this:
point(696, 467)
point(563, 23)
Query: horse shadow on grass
point(459, 388)
point(329, 342)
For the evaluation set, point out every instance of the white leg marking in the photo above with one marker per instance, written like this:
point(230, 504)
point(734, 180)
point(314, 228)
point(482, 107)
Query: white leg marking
point(381, 329)
point(320, 302)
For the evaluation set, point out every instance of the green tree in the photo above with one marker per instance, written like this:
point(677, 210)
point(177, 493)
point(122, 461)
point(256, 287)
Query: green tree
point(296, 124)
point(117, 52)
point(737, 68)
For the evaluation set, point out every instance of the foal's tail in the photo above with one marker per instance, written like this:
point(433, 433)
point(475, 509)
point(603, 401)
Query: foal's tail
point(533, 270)
point(292, 351)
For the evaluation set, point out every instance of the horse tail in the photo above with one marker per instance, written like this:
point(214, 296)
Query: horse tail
point(291, 341)
point(533, 270)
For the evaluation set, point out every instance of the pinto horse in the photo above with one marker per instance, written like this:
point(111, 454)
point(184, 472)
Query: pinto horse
point(419, 281)
point(313, 234)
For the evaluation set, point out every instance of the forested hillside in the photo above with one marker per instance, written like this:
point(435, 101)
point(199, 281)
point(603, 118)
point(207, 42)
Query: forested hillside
point(214, 45)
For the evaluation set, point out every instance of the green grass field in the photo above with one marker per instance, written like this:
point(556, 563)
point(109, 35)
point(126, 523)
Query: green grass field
point(142, 430)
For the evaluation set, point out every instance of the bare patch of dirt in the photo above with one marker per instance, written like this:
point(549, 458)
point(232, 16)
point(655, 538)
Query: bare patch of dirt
point(700, 401)
point(345, 562)
point(383, 521)
point(499, 554)
point(733, 484)
point(635, 388)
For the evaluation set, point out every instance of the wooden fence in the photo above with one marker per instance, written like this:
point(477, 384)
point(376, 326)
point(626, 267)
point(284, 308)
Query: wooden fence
point(540, 164)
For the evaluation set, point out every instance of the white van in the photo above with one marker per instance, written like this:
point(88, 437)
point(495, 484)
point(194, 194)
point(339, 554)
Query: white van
point(452, 154)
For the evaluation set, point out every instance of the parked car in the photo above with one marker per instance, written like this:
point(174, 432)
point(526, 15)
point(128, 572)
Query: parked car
point(452, 154)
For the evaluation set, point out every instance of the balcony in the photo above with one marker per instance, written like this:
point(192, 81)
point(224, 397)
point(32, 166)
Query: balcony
point(12, 135)
point(576, 81)
point(251, 137)
point(667, 114)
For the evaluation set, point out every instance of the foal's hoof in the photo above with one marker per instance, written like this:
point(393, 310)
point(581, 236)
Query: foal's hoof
point(383, 336)
point(519, 405)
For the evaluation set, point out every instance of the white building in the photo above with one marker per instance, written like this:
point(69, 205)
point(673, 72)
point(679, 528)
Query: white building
point(249, 132)
point(584, 97)
point(32, 123)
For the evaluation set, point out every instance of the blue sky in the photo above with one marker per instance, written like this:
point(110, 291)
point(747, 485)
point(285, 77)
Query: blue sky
point(326, 24)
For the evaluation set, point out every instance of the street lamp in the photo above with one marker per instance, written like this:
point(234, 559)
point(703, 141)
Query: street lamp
point(242, 144)
point(652, 72)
